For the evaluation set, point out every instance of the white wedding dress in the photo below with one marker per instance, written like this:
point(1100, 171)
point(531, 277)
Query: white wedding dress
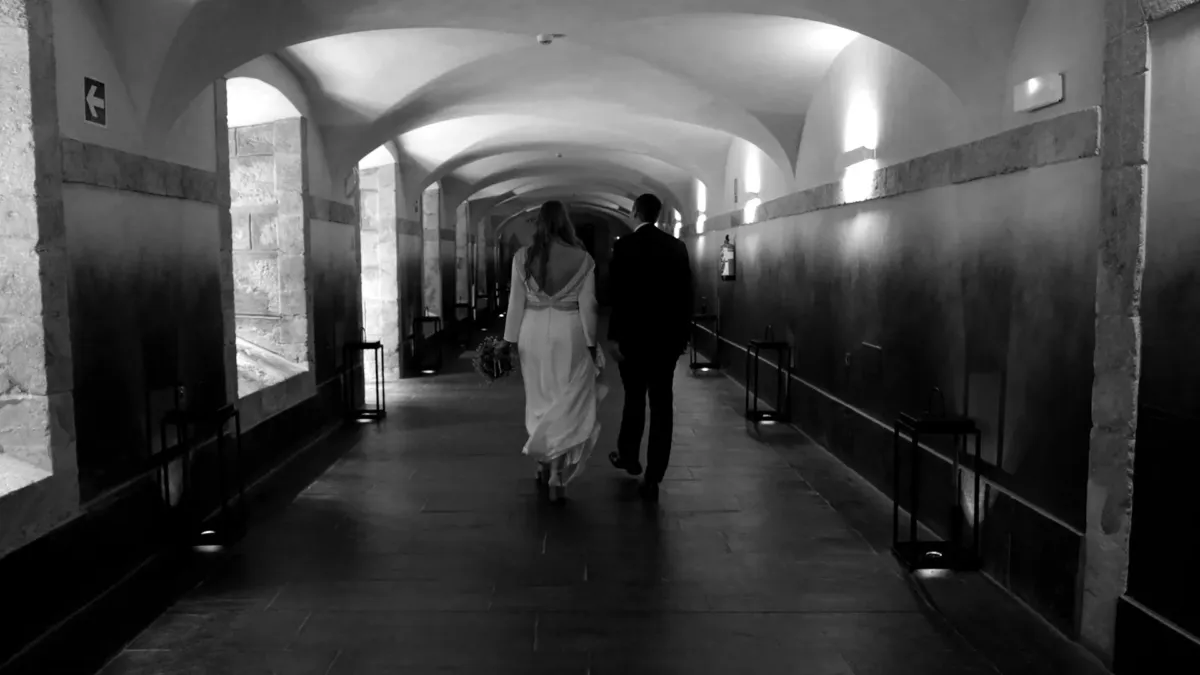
point(562, 388)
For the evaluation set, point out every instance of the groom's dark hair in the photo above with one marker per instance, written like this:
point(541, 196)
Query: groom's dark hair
point(648, 207)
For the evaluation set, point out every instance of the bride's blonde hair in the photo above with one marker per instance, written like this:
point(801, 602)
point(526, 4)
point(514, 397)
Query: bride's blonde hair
point(552, 223)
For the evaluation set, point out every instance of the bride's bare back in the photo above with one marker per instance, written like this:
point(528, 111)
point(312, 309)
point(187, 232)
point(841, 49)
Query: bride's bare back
point(561, 268)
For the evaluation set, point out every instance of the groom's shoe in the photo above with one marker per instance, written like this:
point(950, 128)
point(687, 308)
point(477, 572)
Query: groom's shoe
point(633, 469)
point(649, 490)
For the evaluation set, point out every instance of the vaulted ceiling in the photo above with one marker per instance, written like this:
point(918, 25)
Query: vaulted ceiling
point(638, 94)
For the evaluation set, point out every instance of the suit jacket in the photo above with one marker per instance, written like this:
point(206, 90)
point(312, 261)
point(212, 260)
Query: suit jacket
point(650, 277)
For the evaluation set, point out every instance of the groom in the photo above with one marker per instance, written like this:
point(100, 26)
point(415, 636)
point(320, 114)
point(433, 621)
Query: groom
point(651, 289)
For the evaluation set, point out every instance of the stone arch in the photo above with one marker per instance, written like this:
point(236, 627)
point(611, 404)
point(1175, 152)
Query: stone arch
point(251, 101)
point(470, 90)
point(631, 179)
point(955, 40)
point(484, 151)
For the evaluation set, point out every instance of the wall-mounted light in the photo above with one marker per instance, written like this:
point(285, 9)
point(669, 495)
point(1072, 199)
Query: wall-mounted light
point(750, 212)
point(678, 223)
point(700, 220)
point(862, 124)
point(853, 157)
point(858, 181)
point(753, 175)
point(1038, 92)
point(857, 163)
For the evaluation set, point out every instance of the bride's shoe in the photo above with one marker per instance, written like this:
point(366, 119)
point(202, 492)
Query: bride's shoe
point(558, 491)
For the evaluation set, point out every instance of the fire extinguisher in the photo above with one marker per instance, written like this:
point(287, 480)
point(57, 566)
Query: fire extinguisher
point(728, 260)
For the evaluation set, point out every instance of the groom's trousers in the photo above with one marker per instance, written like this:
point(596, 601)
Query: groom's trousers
point(642, 375)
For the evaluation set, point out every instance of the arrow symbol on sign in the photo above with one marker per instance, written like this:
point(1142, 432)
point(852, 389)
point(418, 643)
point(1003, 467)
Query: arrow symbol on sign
point(95, 104)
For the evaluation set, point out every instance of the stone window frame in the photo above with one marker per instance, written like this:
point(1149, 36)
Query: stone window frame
point(272, 400)
point(1124, 157)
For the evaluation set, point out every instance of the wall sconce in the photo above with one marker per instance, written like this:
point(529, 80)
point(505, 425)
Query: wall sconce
point(751, 209)
point(1038, 92)
point(678, 223)
point(856, 156)
point(753, 183)
point(700, 220)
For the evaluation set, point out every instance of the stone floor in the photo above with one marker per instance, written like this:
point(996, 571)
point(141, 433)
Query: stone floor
point(426, 549)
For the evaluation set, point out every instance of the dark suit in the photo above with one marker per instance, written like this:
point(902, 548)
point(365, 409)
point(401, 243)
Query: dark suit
point(650, 278)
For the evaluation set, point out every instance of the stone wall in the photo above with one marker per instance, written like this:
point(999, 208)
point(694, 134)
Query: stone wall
point(337, 309)
point(38, 483)
point(270, 232)
point(431, 279)
point(446, 265)
point(971, 270)
point(492, 271)
point(462, 263)
point(380, 271)
point(1112, 622)
point(410, 244)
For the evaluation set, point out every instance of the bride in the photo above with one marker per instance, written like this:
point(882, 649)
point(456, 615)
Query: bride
point(552, 324)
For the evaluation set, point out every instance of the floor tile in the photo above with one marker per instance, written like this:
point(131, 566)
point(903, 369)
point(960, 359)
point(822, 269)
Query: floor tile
point(427, 548)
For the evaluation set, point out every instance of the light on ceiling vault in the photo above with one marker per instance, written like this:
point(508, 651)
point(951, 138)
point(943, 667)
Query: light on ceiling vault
point(857, 163)
point(701, 205)
point(862, 123)
point(753, 187)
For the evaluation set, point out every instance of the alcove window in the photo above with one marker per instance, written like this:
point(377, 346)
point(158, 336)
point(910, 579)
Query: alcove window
point(267, 181)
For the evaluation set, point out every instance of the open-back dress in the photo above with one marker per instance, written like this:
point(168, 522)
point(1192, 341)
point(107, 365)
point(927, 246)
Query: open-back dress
point(553, 334)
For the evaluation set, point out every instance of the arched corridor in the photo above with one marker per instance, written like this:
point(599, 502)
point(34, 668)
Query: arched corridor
point(215, 215)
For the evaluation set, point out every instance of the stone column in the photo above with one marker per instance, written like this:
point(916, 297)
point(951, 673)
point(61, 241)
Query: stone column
point(447, 265)
point(480, 263)
point(494, 277)
point(380, 280)
point(225, 149)
point(431, 279)
point(37, 419)
point(1117, 357)
point(462, 287)
point(410, 272)
point(294, 237)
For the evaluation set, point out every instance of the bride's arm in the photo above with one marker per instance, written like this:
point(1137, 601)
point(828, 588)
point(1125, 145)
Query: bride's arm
point(588, 311)
point(516, 302)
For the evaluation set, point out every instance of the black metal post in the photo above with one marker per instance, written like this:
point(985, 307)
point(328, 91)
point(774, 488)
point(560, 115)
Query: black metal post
point(914, 486)
point(914, 553)
point(239, 471)
point(694, 362)
point(895, 485)
point(747, 387)
point(976, 501)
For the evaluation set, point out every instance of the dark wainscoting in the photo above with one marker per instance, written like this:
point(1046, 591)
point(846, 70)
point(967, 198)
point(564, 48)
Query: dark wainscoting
point(1146, 644)
point(1027, 550)
point(81, 592)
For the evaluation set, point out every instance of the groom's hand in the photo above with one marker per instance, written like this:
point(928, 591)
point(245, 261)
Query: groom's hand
point(615, 349)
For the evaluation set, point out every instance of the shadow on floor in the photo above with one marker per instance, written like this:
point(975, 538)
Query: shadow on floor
point(421, 544)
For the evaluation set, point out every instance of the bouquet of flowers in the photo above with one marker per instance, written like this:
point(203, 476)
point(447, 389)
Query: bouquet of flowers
point(493, 359)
